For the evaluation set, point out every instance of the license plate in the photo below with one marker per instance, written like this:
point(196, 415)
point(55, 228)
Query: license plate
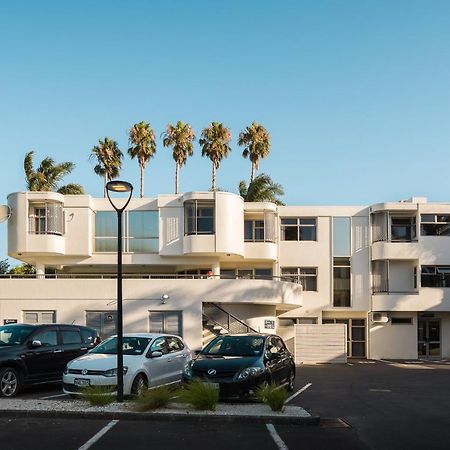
point(214, 385)
point(82, 382)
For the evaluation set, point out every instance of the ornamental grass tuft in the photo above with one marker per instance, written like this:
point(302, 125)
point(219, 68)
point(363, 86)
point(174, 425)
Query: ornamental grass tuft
point(98, 395)
point(155, 398)
point(201, 395)
point(272, 395)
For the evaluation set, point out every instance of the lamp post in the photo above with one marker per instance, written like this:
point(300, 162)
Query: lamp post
point(119, 186)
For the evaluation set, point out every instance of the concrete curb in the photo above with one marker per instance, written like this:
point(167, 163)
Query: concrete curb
point(155, 416)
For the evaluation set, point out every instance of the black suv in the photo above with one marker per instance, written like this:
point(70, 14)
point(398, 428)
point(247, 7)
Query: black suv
point(32, 354)
point(239, 363)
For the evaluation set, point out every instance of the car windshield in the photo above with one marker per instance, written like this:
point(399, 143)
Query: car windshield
point(14, 334)
point(235, 346)
point(131, 346)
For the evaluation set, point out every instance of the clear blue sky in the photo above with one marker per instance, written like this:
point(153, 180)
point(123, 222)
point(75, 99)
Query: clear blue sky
point(355, 93)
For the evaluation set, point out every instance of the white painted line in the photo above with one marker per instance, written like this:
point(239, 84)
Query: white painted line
point(53, 396)
point(303, 389)
point(276, 437)
point(97, 436)
point(380, 390)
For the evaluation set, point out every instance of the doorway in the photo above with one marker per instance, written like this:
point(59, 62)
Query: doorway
point(429, 338)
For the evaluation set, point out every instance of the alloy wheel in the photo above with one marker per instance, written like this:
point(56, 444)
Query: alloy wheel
point(9, 383)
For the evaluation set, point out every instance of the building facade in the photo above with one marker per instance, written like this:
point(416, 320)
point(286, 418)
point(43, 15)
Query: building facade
point(202, 263)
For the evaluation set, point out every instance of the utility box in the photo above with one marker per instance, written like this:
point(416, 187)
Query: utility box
point(320, 343)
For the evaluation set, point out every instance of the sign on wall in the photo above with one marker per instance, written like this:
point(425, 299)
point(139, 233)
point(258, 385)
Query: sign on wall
point(8, 321)
point(269, 324)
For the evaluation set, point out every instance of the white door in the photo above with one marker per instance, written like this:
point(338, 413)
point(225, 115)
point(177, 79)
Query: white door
point(160, 368)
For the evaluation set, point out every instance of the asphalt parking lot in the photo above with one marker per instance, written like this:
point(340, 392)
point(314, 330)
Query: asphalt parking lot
point(378, 405)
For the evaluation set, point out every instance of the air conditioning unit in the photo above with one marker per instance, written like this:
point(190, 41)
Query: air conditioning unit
point(380, 317)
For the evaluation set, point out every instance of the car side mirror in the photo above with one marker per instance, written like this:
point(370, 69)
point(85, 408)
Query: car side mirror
point(154, 354)
point(197, 352)
point(36, 343)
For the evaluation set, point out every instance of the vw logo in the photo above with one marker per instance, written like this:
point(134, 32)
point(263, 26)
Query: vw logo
point(212, 371)
point(84, 372)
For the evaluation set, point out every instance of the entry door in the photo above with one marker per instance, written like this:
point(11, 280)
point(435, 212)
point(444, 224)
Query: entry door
point(104, 322)
point(429, 338)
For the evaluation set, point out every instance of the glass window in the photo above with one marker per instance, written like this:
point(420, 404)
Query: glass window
point(169, 322)
point(38, 317)
point(71, 337)
point(47, 338)
point(307, 276)
point(341, 236)
point(174, 344)
point(434, 225)
point(198, 217)
point(263, 273)
point(131, 346)
point(248, 230)
point(235, 346)
point(46, 218)
point(298, 229)
point(341, 282)
point(160, 345)
point(435, 276)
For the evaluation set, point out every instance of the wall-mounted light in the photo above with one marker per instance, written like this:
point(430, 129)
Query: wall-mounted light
point(164, 299)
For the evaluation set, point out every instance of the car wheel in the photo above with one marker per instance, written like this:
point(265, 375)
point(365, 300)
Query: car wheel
point(291, 381)
point(139, 386)
point(9, 382)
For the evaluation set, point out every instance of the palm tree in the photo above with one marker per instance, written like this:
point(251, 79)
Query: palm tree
point(214, 142)
point(109, 160)
point(141, 140)
point(261, 189)
point(256, 142)
point(48, 176)
point(181, 138)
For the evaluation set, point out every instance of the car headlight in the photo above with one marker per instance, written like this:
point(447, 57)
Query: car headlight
point(249, 372)
point(113, 372)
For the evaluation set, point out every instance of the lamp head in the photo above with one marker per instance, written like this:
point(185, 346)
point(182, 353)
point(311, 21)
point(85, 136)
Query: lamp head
point(164, 298)
point(119, 186)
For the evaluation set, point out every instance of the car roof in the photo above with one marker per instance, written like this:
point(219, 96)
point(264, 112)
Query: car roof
point(148, 335)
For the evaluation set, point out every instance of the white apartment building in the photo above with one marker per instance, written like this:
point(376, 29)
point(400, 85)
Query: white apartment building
point(201, 262)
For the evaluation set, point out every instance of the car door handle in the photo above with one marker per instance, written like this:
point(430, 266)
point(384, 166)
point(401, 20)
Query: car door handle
point(169, 360)
point(57, 351)
point(83, 348)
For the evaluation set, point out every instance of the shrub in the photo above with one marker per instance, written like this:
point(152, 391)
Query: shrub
point(98, 395)
point(200, 395)
point(272, 395)
point(155, 398)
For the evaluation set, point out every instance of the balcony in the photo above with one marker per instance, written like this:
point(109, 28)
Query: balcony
point(427, 299)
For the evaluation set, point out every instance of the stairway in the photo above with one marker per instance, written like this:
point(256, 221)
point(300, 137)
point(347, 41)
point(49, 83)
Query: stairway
point(216, 321)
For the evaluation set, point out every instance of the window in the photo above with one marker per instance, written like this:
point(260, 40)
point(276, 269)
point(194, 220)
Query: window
point(169, 322)
point(140, 231)
point(88, 336)
point(38, 317)
point(401, 320)
point(434, 225)
point(160, 345)
point(175, 345)
point(47, 338)
point(435, 276)
point(307, 276)
point(265, 274)
point(298, 229)
point(46, 218)
point(403, 229)
point(341, 282)
point(254, 230)
point(71, 337)
point(104, 322)
point(341, 236)
point(198, 217)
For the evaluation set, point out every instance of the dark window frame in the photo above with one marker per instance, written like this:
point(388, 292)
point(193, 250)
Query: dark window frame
point(299, 228)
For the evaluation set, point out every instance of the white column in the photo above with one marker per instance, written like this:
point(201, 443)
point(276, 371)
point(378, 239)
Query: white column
point(40, 270)
point(216, 269)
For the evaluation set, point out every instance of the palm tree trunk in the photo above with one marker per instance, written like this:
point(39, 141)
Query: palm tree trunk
point(105, 180)
point(213, 177)
point(177, 175)
point(142, 181)
point(252, 176)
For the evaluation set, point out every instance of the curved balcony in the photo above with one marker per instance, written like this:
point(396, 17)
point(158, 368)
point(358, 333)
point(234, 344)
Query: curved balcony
point(260, 250)
point(395, 250)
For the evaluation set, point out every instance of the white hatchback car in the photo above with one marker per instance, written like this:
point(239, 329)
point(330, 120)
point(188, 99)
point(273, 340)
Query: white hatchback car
point(149, 360)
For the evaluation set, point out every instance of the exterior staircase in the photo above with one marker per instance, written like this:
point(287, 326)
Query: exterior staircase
point(216, 321)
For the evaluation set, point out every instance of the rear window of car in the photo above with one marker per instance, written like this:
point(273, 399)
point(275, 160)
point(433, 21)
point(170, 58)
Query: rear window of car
point(88, 336)
point(71, 337)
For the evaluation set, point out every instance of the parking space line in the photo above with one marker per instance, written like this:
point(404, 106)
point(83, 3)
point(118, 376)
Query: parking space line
point(303, 389)
point(53, 396)
point(97, 436)
point(276, 437)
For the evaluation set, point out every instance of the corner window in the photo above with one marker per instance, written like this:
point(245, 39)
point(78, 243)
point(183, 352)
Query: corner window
point(46, 218)
point(435, 276)
point(434, 225)
point(198, 217)
point(298, 229)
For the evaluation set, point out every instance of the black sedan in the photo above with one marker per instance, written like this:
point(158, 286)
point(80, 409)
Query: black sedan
point(238, 364)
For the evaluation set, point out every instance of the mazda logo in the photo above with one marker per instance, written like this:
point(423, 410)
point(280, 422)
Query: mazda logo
point(212, 371)
point(84, 372)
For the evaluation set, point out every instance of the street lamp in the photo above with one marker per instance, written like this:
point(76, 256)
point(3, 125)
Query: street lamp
point(119, 186)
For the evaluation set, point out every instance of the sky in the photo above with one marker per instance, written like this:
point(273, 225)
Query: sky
point(355, 93)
